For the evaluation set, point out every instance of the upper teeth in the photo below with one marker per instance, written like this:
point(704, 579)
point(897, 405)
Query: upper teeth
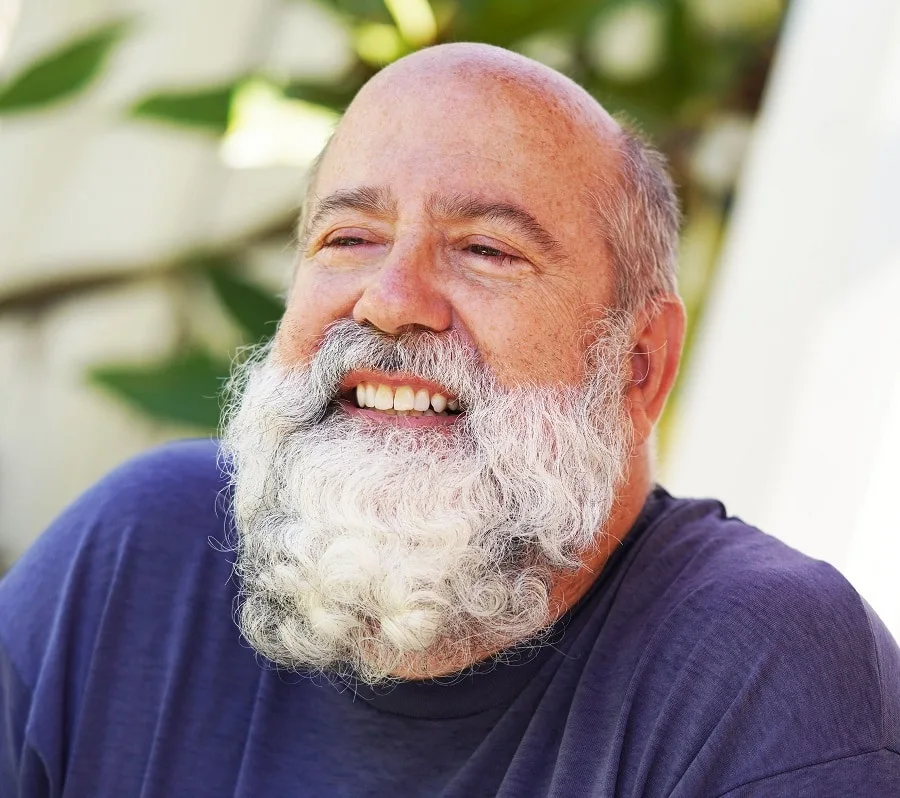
point(403, 399)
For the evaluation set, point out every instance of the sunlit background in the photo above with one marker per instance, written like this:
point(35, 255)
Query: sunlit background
point(152, 154)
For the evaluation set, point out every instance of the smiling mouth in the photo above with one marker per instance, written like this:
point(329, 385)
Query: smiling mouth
point(401, 400)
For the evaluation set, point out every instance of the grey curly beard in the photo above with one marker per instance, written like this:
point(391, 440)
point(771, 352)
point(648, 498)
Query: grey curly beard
point(371, 550)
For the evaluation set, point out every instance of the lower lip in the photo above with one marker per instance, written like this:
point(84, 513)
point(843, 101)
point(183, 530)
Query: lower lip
point(400, 421)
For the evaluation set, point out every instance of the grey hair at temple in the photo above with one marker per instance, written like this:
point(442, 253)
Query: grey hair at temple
point(639, 216)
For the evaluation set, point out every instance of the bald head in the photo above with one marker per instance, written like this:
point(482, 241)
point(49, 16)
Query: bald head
point(490, 77)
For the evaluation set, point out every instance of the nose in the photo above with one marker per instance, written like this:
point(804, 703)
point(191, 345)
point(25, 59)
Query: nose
point(403, 293)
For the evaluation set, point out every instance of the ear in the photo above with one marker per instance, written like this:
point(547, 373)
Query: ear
point(659, 337)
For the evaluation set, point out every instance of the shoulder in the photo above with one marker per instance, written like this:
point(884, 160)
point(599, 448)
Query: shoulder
point(701, 560)
point(797, 630)
point(170, 479)
point(750, 596)
point(98, 618)
point(159, 493)
point(126, 545)
point(767, 647)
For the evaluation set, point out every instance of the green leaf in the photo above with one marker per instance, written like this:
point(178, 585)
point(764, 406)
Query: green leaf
point(251, 306)
point(184, 389)
point(504, 22)
point(62, 73)
point(361, 10)
point(336, 96)
point(208, 109)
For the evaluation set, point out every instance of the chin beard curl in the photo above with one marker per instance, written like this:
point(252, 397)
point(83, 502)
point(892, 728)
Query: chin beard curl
point(370, 550)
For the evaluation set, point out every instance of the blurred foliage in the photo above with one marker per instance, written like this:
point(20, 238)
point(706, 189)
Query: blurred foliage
point(208, 110)
point(689, 73)
point(61, 74)
point(184, 389)
point(254, 309)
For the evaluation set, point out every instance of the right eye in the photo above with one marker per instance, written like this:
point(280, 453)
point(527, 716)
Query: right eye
point(349, 237)
point(345, 241)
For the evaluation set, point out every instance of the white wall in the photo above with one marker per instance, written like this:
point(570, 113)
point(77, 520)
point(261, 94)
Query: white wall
point(791, 412)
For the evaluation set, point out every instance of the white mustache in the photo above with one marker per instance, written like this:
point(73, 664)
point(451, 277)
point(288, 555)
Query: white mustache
point(443, 358)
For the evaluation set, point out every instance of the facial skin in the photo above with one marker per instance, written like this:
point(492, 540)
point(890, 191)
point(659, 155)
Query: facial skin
point(455, 198)
point(448, 127)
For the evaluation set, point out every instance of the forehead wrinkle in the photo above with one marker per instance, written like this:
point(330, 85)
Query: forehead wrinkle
point(464, 207)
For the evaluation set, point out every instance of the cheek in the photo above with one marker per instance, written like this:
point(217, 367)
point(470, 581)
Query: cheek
point(540, 355)
point(554, 321)
point(525, 338)
point(315, 301)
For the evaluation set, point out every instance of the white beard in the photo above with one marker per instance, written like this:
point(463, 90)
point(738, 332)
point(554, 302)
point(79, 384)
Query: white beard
point(370, 550)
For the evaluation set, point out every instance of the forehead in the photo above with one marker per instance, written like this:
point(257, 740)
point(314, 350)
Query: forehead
point(493, 139)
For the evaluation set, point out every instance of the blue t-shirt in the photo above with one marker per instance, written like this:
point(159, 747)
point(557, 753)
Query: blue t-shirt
point(708, 659)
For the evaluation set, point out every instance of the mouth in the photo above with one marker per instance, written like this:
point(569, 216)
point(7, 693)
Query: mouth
point(384, 397)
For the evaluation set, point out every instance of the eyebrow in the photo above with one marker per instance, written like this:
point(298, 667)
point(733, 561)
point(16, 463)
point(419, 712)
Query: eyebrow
point(371, 200)
point(461, 207)
point(380, 203)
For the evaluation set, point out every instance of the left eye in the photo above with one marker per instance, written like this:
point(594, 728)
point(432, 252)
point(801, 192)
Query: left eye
point(345, 241)
point(492, 257)
point(487, 252)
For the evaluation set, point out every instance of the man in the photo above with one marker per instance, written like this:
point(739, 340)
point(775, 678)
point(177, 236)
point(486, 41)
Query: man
point(433, 514)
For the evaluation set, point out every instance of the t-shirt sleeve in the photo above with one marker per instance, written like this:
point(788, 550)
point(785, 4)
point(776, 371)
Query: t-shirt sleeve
point(22, 771)
point(51, 603)
point(63, 591)
point(41, 651)
point(875, 774)
point(777, 681)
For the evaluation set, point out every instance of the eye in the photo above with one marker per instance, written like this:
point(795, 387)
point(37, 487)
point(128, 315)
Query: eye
point(493, 255)
point(486, 251)
point(345, 241)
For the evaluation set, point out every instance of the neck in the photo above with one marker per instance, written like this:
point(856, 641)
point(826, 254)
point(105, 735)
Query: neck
point(569, 588)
